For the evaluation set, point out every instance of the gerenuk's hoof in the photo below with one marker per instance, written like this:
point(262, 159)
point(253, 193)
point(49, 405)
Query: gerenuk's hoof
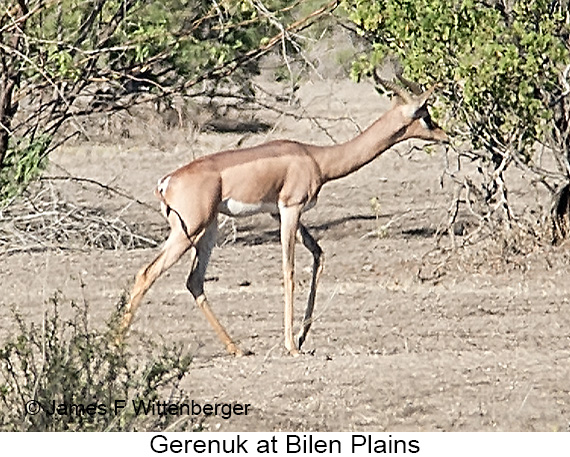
point(238, 352)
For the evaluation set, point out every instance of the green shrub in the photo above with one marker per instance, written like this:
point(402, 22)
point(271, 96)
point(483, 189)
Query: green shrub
point(500, 66)
point(65, 362)
point(23, 163)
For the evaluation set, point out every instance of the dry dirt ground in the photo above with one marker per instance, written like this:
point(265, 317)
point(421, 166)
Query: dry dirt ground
point(485, 346)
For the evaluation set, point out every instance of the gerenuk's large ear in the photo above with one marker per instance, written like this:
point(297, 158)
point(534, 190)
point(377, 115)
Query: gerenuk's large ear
point(423, 98)
point(404, 96)
point(414, 104)
point(417, 107)
point(412, 86)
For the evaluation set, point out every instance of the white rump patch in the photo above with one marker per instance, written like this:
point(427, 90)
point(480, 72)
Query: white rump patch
point(161, 188)
point(163, 184)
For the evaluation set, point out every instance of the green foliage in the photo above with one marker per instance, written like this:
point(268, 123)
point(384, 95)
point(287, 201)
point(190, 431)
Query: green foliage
point(499, 68)
point(55, 53)
point(66, 362)
point(496, 66)
point(23, 163)
point(187, 37)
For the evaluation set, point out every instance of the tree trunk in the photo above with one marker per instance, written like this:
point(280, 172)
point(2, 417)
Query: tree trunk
point(560, 214)
point(6, 114)
point(9, 75)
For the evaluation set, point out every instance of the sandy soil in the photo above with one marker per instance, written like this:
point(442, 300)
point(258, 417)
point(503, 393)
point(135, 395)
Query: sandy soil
point(480, 348)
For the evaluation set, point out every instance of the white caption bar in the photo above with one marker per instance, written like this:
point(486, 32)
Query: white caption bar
point(267, 443)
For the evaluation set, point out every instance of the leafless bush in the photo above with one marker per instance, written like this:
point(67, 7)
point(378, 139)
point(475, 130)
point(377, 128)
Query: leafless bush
point(44, 218)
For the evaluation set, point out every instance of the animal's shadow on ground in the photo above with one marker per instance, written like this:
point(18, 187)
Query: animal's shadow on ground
point(336, 229)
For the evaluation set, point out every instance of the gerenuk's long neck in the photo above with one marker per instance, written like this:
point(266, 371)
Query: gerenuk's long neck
point(342, 159)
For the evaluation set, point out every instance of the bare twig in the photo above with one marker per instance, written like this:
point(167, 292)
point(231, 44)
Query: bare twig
point(46, 220)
